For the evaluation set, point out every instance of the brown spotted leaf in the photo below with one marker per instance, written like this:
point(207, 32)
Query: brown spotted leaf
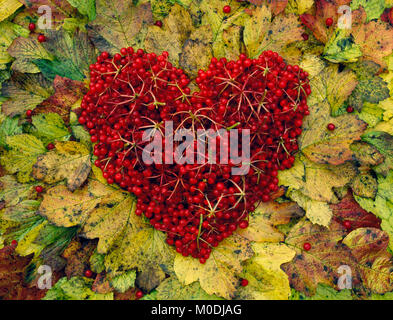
point(320, 264)
point(69, 161)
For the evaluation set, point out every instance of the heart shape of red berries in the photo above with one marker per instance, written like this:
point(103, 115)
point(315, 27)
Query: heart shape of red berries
point(196, 205)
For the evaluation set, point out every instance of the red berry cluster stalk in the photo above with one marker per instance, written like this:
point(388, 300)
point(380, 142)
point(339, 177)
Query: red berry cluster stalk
point(197, 205)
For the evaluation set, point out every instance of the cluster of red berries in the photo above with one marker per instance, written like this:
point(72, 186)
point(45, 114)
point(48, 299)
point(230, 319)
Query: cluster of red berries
point(41, 37)
point(197, 204)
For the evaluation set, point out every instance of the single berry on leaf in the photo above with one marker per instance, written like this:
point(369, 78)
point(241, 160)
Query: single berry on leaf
point(350, 109)
point(158, 23)
point(41, 38)
point(50, 146)
point(244, 282)
point(329, 22)
point(226, 9)
point(307, 246)
point(39, 189)
point(29, 113)
point(331, 126)
point(139, 294)
point(305, 36)
point(88, 273)
point(347, 224)
point(14, 243)
point(32, 26)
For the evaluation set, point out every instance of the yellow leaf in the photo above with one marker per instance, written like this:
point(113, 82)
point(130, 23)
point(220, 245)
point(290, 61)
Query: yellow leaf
point(266, 279)
point(65, 208)
point(266, 216)
point(23, 153)
point(69, 160)
point(317, 212)
point(261, 33)
point(219, 274)
point(299, 6)
point(8, 7)
point(177, 27)
point(317, 180)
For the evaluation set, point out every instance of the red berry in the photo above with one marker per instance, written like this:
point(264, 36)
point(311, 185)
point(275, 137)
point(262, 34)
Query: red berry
point(350, 109)
point(14, 243)
point(243, 224)
point(88, 273)
point(29, 113)
point(32, 26)
point(305, 36)
point(50, 146)
point(244, 283)
point(226, 9)
point(158, 23)
point(139, 294)
point(347, 224)
point(307, 246)
point(390, 16)
point(41, 38)
point(331, 126)
point(39, 189)
point(329, 22)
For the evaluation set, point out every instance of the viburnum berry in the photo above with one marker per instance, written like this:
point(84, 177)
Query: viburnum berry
point(50, 146)
point(244, 282)
point(226, 9)
point(305, 36)
point(139, 294)
point(32, 26)
point(347, 224)
point(41, 38)
point(196, 205)
point(350, 109)
point(307, 246)
point(88, 273)
point(331, 126)
point(29, 113)
point(39, 189)
point(158, 23)
point(390, 16)
point(14, 243)
point(329, 22)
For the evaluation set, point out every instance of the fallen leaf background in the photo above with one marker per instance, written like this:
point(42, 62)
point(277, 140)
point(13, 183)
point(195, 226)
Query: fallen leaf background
point(338, 196)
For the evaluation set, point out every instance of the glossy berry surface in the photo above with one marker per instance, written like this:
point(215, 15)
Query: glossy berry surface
point(226, 9)
point(158, 23)
point(39, 189)
point(50, 146)
point(331, 126)
point(88, 273)
point(244, 282)
point(41, 38)
point(139, 294)
point(32, 26)
point(307, 246)
point(350, 109)
point(329, 22)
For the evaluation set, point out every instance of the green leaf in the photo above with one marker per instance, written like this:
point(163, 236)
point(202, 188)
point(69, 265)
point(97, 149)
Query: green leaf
point(50, 127)
point(324, 292)
point(23, 152)
point(97, 262)
point(341, 48)
point(9, 32)
point(73, 54)
point(124, 281)
point(9, 127)
point(373, 8)
point(384, 143)
point(24, 92)
point(77, 288)
point(85, 7)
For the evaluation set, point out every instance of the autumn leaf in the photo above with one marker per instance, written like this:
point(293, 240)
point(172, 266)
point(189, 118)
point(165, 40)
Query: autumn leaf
point(76, 288)
point(172, 289)
point(349, 210)
point(23, 152)
point(67, 93)
point(177, 28)
point(127, 25)
point(368, 246)
point(24, 92)
point(266, 279)
point(383, 142)
point(218, 274)
point(324, 292)
point(73, 54)
point(373, 8)
point(8, 7)
point(266, 217)
point(10, 31)
point(50, 127)
point(261, 34)
point(320, 264)
point(69, 160)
